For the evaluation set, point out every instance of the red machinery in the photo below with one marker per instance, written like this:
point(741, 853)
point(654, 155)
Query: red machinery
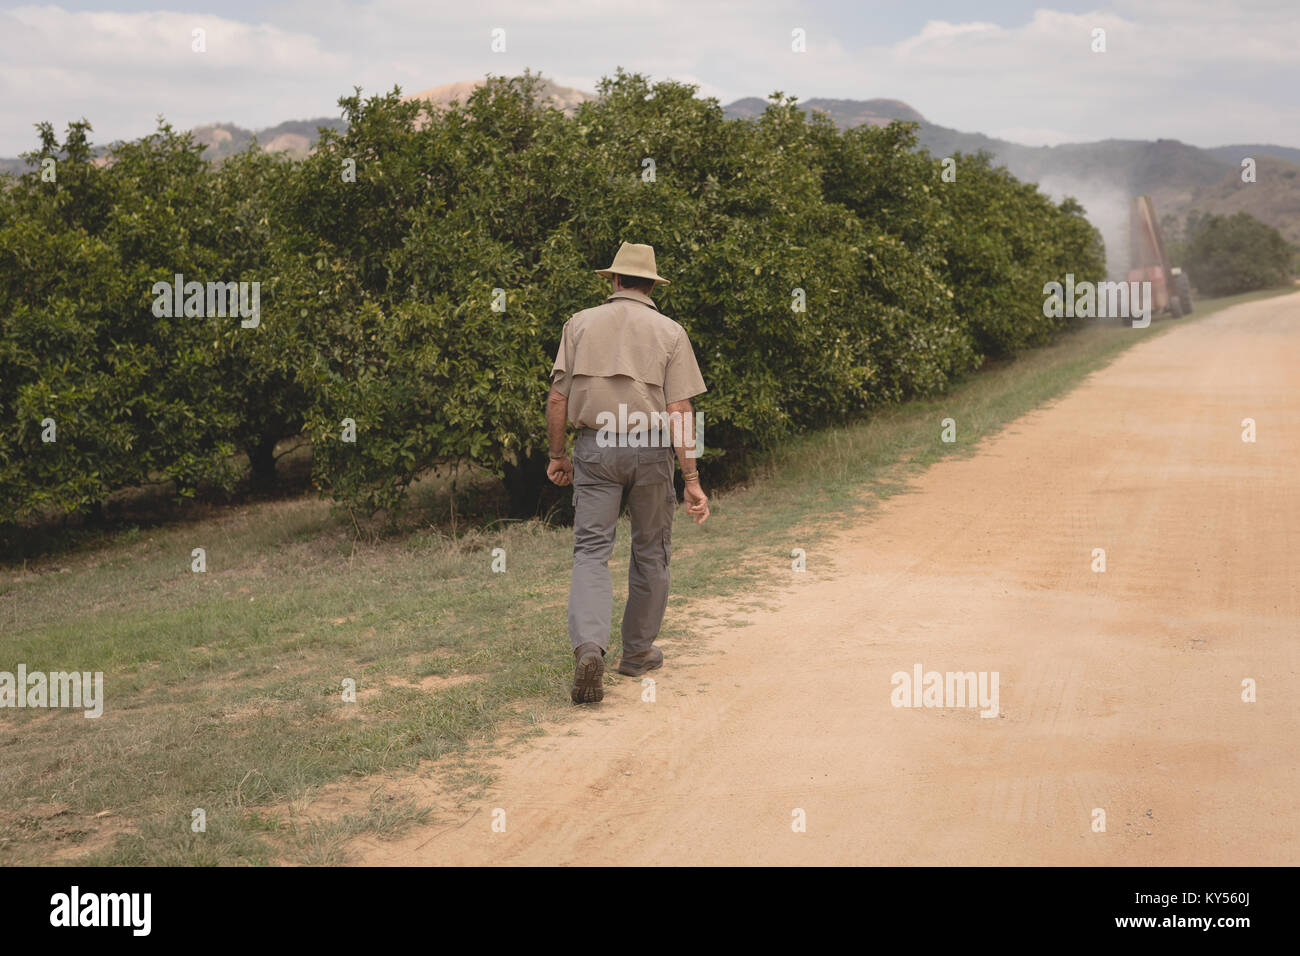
point(1170, 288)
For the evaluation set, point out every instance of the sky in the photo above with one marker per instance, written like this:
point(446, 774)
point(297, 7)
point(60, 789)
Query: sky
point(1207, 72)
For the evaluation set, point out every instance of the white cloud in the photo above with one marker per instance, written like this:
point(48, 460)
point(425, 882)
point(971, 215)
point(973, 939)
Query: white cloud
point(1190, 69)
point(938, 37)
point(120, 70)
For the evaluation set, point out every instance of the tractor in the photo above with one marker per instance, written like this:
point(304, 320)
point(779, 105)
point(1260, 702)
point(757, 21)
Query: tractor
point(1171, 290)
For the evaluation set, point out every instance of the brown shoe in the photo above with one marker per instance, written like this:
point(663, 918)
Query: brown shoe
point(640, 663)
point(588, 675)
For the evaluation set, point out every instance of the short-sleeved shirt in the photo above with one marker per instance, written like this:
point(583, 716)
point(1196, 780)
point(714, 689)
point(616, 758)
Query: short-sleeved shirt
point(624, 351)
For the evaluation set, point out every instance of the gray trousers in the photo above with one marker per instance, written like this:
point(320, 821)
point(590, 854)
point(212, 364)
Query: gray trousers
point(601, 478)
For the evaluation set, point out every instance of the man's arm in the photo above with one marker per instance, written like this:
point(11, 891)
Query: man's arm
point(697, 502)
point(560, 468)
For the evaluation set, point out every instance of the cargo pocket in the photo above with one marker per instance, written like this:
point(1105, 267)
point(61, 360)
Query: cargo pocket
point(589, 466)
point(654, 465)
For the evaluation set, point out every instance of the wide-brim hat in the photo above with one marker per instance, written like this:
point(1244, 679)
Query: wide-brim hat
point(634, 259)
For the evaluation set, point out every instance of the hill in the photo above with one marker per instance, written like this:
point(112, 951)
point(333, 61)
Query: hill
point(295, 137)
point(565, 98)
point(845, 113)
point(1256, 150)
point(1104, 175)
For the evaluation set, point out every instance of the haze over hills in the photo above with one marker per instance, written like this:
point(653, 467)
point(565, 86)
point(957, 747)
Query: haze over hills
point(1105, 175)
point(1102, 175)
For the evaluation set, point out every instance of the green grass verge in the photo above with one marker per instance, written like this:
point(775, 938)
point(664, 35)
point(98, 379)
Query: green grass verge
point(224, 689)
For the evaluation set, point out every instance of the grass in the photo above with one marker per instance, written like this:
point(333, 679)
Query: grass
point(225, 690)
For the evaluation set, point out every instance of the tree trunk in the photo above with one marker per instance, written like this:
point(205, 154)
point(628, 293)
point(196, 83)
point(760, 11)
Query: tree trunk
point(530, 492)
point(261, 461)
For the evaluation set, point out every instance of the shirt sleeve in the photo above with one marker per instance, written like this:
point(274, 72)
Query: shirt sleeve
point(682, 378)
point(561, 376)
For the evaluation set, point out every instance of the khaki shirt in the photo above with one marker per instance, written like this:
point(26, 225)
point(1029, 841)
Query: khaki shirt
point(626, 352)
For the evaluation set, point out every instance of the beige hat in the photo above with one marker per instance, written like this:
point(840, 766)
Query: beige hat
point(634, 259)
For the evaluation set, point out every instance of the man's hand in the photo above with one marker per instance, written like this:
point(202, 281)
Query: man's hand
point(687, 450)
point(697, 502)
point(560, 471)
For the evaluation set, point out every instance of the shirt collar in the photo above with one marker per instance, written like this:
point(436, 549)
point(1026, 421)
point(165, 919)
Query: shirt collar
point(635, 296)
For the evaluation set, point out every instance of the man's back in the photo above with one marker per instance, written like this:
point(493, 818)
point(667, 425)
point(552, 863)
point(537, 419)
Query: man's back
point(624, 352)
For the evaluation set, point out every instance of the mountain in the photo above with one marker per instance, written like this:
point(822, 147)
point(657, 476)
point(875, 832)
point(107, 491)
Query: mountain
point(845, 113)
point(564, 98)
point(1236, 153)
point(295, 137)
point(1273, 198)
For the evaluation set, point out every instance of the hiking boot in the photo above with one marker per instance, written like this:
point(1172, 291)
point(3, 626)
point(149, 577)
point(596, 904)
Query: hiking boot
point(638, 664)
point(588, 675)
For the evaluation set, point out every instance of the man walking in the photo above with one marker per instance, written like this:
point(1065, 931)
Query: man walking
point(618, 363)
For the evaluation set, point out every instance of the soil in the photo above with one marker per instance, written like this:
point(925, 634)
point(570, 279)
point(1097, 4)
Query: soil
point(1119, 692)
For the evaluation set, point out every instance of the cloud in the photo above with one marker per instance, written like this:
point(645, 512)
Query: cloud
point(1191, 69)
point(938, 38)
point(120, 70)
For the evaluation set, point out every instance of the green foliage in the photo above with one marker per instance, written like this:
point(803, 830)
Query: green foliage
point(1238, 253)
point(1002, 241)
point(133, 398)
point(378, 288)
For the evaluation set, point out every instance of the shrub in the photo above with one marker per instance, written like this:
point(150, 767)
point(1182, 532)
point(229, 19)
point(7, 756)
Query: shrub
point(1238, 253)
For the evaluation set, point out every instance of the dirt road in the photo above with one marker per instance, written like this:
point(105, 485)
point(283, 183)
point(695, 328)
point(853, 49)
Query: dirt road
point(1118, 691)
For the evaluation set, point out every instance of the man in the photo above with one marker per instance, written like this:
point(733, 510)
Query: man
point(618, 362)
